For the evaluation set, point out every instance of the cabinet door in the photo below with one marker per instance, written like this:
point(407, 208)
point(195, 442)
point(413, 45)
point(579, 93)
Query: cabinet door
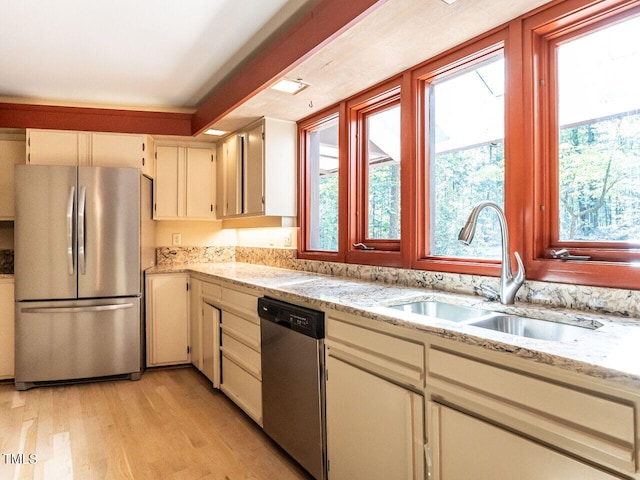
point(167, 191)
point(463, 447)
point(233, 175)
point(54, 147)
point(168, 321)
point(113, 150)
point(375, 428)
point(221, 155)
point(12, 152)
point(199, 183)
point(254, 171)
point(195, 322)
point(7, 333)
point(211, 343)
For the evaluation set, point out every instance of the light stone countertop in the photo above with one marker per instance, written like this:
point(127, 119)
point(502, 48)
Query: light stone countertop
point(6, 275)
point(611, 351)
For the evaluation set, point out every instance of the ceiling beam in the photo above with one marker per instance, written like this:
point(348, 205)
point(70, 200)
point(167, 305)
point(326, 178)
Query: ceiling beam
point(17, 115)
point(324, 23)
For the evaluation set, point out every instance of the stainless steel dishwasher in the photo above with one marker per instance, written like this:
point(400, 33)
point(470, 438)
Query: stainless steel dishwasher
point(293, 397)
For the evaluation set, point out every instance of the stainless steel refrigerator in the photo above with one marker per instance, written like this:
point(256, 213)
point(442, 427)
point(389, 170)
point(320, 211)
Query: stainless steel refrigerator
point(77, 273)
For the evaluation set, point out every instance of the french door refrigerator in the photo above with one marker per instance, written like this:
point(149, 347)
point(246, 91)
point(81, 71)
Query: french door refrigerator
point(77, 273)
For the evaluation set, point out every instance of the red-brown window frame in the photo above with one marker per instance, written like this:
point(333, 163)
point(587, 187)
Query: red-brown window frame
point(611, 262)
point(526, 156)
point(359, 117)
point(304, 194)
point(393, 253)
point(469, 54)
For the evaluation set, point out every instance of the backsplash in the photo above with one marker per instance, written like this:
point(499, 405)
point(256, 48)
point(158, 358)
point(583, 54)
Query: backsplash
point(6, 261)
point(182, 255)
point(556, 295)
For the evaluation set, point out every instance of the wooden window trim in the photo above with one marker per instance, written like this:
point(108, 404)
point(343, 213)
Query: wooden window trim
point(468, 54)
point(304, 196)
point(610, 264)
point(526, 143)
point(390, 253)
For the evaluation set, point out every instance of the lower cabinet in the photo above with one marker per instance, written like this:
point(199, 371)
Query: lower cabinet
point(490, 416)
point(7, 334)
point(241, 365)
point(463, 447)
point(374, 403)
point(167, 325)
point(374, 427)
point(211, 343)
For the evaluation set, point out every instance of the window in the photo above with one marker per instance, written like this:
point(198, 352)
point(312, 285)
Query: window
point(376, 176)
point(466, 139)
point(599, 139)
point(321, 173)
point(593, 161)
point(378, 172)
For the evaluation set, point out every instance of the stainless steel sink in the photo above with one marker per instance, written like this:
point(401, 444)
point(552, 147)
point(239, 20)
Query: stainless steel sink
point(443, 310)
point(532, 328)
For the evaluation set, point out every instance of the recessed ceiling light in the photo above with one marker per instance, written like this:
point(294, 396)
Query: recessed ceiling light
point(289, 86)
point(448, 2)
point(213, 131)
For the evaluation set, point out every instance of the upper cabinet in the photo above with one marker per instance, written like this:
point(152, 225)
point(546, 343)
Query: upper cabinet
point(256, 175)
point(56, 147)
point(12, 149)
point(184, 183)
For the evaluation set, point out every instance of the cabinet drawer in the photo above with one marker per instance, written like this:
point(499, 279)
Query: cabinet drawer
point(394, 358)
point(242, 303)
point(242, 388)
point(241, 329)
point(211, 290)
point(241, 354)
point(591, 426)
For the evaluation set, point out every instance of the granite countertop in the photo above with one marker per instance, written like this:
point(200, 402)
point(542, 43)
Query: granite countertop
point(610, 352)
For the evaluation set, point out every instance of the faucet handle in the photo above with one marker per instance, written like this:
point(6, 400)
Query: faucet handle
point(489, 293)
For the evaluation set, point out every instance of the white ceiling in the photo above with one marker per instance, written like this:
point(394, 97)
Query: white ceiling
point(148, 53)
point(165, 54)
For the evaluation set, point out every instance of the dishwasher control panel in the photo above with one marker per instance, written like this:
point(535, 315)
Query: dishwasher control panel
point(301, 319)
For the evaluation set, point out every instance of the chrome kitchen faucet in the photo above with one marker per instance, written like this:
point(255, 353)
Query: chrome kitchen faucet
point(509, 283)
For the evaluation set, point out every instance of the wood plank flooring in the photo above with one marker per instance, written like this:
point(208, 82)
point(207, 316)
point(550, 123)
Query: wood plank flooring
point(171, 424)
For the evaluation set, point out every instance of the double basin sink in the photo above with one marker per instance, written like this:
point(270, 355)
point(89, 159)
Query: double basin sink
point(501, 322)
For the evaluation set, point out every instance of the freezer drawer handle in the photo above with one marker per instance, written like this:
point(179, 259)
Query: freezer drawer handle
point(95, 308)
point(82, 201)
point(70, 265)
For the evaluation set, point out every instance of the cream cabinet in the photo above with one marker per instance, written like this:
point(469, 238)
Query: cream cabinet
point(7, 333)
point(12, 149)
point(167, 301)
point(258, 175)
point(464, 447)
point(120, 150)
point(548, 423)
point(184, 186)
point(205, 329)
point(59, 147)
point(229, 177)
point(374, 404)
point(240, 348)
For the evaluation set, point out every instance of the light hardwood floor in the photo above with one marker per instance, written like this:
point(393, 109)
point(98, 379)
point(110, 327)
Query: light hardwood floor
point(171, 424)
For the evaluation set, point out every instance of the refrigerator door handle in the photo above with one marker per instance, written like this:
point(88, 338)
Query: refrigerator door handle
point(70, 263)
point(95, 308)
point(82, 202)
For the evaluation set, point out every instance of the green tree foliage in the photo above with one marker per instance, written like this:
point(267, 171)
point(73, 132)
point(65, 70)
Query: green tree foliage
point(599, 172)
point(461, 179)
